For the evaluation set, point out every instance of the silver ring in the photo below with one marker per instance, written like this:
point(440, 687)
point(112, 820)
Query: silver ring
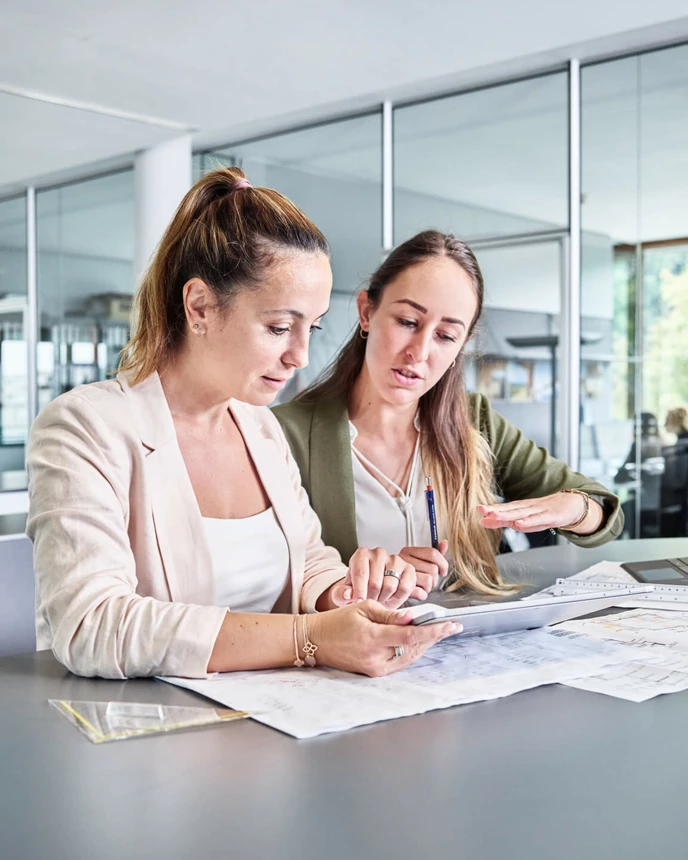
point(398, 652)
point(393, 573)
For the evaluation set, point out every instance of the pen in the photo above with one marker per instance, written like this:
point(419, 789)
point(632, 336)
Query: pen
point(430, 499)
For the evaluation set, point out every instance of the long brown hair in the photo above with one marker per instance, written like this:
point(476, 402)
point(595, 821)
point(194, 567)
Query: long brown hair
point(453, 451)
point(228, 234)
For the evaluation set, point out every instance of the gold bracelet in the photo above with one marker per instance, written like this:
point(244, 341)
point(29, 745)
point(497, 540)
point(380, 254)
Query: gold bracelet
point(298, 662)
point(309, 648)
point(586, 499)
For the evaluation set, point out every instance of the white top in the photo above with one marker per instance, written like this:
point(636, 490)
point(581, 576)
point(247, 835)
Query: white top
point(250, 560)
point(391, 522)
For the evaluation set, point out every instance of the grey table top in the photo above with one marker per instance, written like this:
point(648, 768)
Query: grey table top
point(551, 773)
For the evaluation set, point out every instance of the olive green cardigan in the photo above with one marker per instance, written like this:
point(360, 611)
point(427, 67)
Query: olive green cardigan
point(318, 435)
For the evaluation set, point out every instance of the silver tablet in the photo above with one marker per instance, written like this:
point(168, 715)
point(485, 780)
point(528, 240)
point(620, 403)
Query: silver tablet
point(523, 614)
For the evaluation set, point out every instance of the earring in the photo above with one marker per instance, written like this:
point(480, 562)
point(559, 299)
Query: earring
point(453, 363)
point(196, 328)
point(363, 334)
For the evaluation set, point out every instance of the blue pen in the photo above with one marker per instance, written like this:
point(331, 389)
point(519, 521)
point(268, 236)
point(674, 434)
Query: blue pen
point(430, 499)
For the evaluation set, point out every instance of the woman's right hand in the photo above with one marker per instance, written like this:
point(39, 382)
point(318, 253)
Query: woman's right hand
point(362, 637)
point(366, 578)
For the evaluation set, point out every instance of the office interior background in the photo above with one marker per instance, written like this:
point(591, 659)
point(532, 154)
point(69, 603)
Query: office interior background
point(556, 146)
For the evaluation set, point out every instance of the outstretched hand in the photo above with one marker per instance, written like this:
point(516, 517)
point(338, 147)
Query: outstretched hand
point(556, 511)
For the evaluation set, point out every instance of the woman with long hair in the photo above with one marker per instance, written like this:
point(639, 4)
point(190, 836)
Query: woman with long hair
point(164, 498)
point(392, 408)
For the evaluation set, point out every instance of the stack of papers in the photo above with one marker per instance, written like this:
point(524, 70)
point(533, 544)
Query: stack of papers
point(660, 663)
point(305, 703)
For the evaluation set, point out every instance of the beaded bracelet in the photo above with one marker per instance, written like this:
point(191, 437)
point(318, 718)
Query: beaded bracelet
point(309, 648)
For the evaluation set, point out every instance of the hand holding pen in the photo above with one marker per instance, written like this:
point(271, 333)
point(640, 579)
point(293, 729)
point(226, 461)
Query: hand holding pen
point(432, 516)
point(430, 562)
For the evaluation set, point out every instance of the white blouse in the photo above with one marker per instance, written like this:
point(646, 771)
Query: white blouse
point(391, 522)
point(250, 560)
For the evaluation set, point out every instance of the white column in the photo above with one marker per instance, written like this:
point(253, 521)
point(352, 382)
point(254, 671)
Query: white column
point(162, 178)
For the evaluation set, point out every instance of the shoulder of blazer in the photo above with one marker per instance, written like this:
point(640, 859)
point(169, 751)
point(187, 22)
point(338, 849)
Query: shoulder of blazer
point(313, 429)
point(296, 420)
point(100, 406)
point(295, 413)
point(318, 434)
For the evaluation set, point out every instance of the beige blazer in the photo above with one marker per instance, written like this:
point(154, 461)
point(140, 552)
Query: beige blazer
point(124, 581)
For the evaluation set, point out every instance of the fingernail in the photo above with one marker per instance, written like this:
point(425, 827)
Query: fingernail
point(359, 600)
point(347, 594)
point(452, 628)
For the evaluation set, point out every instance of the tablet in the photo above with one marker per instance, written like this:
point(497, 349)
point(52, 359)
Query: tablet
point(669, 571)
point(525, 614)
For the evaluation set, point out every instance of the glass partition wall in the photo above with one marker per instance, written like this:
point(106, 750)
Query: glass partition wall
point(85, 240)
point(493, 166)
point(13, 348)
point(635, 285)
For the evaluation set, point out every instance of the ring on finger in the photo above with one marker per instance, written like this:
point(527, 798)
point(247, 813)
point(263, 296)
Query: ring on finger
point(393, 573)
point(398, 652)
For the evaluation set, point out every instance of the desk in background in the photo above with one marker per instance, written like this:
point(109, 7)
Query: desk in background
point(17, 631)
point(549, 774)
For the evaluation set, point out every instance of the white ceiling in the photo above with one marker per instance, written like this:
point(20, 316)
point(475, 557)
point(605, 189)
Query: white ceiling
point(224, 68)
point(227, 70)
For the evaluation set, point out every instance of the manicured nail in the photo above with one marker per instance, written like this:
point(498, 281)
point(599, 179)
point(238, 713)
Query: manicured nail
point(359, 600)
point(347, 594)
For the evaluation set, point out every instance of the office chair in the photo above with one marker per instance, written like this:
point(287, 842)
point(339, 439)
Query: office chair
point(17, 626)
point(674, 494)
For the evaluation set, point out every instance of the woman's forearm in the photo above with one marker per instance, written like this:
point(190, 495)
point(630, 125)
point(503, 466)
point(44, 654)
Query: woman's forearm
point(593, 520)
point(254, 641)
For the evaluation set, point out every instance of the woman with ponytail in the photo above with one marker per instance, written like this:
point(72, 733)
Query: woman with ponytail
point(392, 409)
point(163, 498)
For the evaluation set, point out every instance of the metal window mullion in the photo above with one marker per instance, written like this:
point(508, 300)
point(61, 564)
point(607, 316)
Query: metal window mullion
point(639, 310)
point(387, 177)
point(31, 317)
point(638, 383)
point(571, 285)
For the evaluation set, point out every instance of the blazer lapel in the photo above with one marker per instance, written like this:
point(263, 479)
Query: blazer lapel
point(273, 472)
point(176, 515)
point(331, 476)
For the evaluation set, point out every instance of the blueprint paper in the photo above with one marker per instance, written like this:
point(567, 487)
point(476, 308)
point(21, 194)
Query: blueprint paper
point(656, 672)
point(305, 703)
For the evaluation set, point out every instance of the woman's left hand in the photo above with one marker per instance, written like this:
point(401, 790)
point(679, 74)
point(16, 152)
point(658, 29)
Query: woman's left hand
point(366, 580)
point(549, 512)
